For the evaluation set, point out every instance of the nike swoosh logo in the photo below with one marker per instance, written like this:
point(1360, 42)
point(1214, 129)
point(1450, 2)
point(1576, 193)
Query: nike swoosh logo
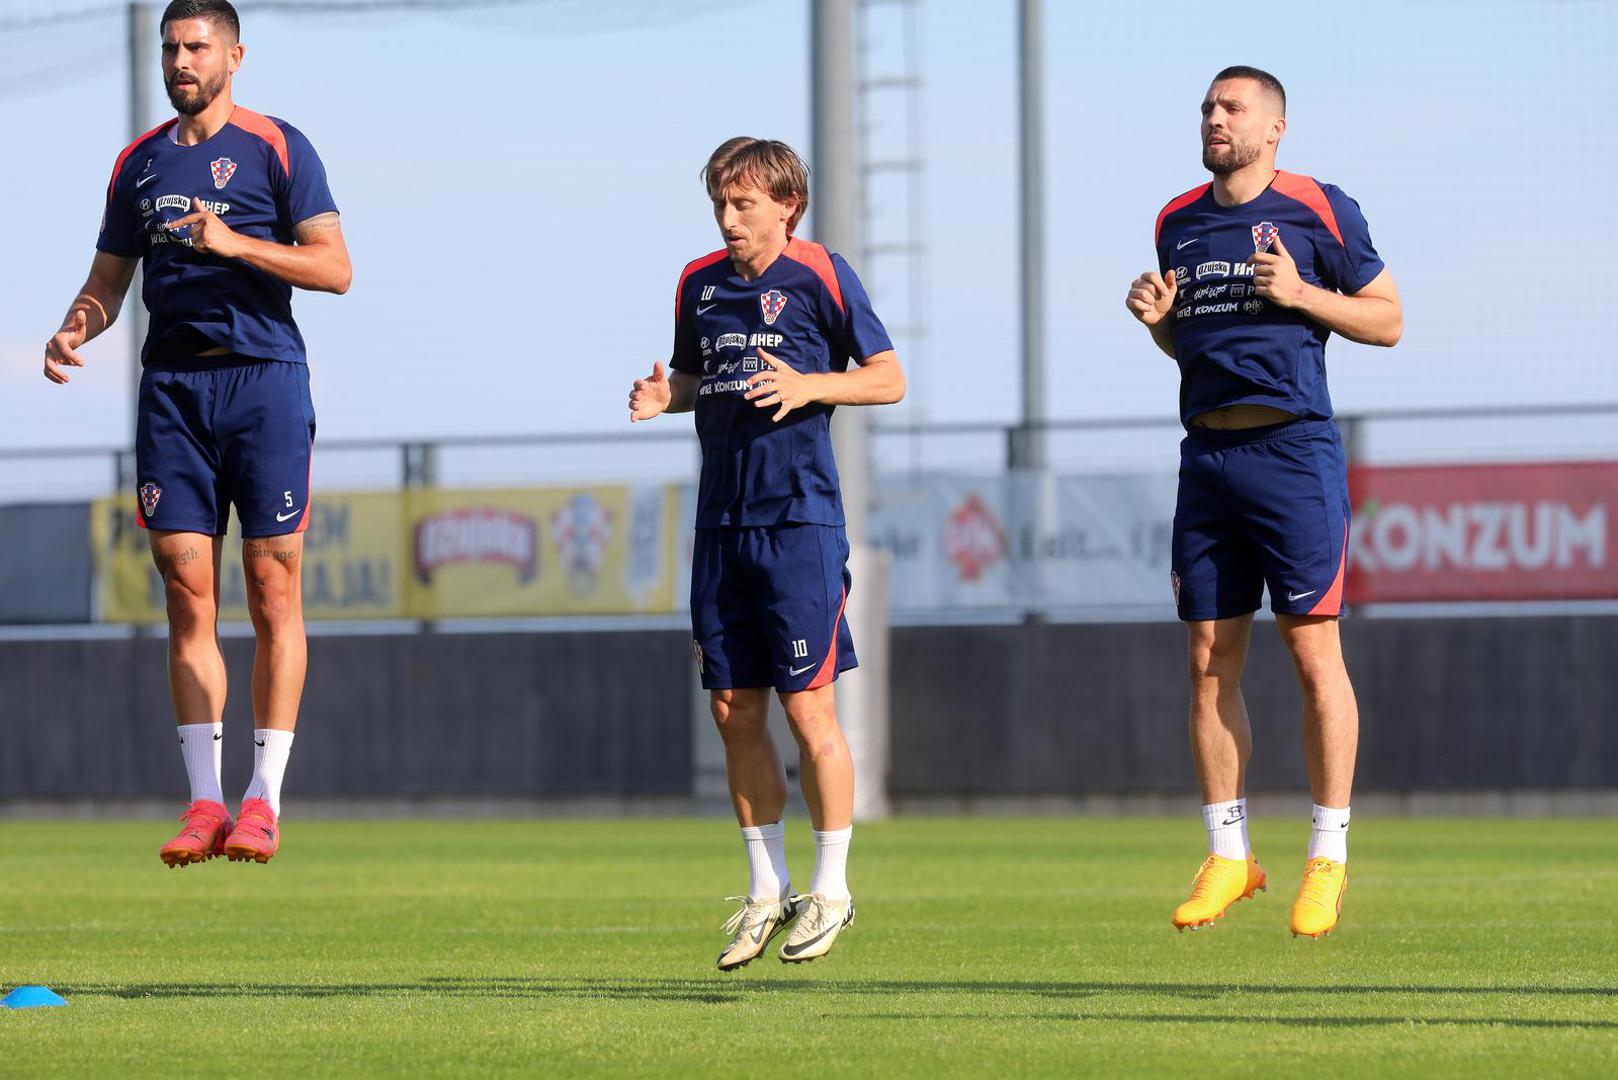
point(288, 517)
point(1186, 243)
point(1291, 596)
point(799, 670)
point(705, 310)
point(216, 738)
point(143, 181)
point(1236, 820)
point(255, 742)
point(794, 952)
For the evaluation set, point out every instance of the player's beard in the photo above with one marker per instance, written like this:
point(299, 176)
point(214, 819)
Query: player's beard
point(203, 94)
point(1237, 156)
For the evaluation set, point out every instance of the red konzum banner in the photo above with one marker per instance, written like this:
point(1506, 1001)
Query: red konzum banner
point(1484, 532)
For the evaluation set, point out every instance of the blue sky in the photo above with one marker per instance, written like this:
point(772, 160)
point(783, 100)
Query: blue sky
point(519, 192)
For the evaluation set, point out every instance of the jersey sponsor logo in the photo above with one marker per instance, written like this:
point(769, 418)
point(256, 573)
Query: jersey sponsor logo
point(731, 341)
point(223, 169)
point(149, 494)
point(749, 363)
point(476, 535)
point(1253, 307)
point(725, 386)
point(773, 302)
point(1213, 268)
point(1181, 275)
point(1264, 234)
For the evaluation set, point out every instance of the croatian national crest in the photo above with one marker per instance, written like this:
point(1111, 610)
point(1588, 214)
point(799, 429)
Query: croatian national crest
point(149, 494)
point(1264, 234)
point(223, 169)
point(773, 303)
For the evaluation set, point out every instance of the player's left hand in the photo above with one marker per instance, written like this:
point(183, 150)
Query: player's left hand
point(779, 385)
point(209, 234)
point(1275, 276)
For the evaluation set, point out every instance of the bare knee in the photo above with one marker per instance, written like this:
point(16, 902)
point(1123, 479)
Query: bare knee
point(1216, 654)
point(739, 716)
point(812, 715)
point(191, 610)
point(1317, 653)
point(272, 604)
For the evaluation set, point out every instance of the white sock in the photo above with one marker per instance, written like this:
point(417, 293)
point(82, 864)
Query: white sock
point(271, 748)
point(200, 745)
point(1226, 823)
point(767, 861)
point(831, 863)
point(1329, 837)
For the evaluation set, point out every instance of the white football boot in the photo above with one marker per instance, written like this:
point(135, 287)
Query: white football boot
point(818, 926)
point(753, 926)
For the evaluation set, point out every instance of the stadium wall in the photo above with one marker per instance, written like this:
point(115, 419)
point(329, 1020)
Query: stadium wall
point(978, 711)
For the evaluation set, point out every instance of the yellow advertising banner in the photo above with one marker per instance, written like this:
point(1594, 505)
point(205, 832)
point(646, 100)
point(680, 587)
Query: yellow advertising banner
point(602, 550)
point(430, 554)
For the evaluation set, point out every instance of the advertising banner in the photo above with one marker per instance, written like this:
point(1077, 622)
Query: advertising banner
point(1483, 532)
point(429, 554)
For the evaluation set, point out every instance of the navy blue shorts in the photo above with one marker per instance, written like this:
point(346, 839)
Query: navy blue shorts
point(234, 431)
point(767, 606)
point(1264, 506)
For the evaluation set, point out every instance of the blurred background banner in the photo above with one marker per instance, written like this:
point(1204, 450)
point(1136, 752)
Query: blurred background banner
point(430, 554)
point(1484, 532)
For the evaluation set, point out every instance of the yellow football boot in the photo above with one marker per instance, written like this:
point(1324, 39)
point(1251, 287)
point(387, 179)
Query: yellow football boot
point(1219, 884)
point(1320, 900)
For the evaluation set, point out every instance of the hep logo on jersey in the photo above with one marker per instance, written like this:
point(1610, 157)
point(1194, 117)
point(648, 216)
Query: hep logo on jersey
point(773, 302)
point(223, 169)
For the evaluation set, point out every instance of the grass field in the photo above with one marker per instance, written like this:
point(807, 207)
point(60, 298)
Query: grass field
point(984, 947)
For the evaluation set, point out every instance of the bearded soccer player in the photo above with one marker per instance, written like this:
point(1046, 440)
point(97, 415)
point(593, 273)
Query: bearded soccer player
point(228, 211)
point(764, 330)
point(1255, 271)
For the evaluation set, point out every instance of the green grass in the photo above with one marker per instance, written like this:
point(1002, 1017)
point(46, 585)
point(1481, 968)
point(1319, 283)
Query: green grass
point(984, 947)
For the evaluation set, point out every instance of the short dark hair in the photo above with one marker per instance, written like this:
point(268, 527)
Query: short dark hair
point(218, 12)
point(1269, 82)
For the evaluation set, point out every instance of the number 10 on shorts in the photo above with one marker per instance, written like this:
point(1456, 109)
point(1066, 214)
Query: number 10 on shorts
point(800, 649)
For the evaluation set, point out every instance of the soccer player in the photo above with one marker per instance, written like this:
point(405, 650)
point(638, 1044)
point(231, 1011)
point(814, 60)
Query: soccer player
point(1255, 271)
point(228, 211)
point(764, 330)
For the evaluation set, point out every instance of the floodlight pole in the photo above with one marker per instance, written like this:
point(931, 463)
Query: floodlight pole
point(1029, 449)
point(142, 59)
point(836, 143)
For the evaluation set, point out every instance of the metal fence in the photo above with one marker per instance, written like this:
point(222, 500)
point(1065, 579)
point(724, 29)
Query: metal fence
point(1572, 431)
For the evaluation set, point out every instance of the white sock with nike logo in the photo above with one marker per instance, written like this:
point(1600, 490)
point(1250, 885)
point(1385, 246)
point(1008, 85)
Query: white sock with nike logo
point(831, 863)
point(271, 748)
point(767, 861)
point(1329, 836)
point(1227, 829)
point(200, 745)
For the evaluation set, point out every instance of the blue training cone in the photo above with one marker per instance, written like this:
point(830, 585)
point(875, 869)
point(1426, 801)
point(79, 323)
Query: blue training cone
point(31, 997)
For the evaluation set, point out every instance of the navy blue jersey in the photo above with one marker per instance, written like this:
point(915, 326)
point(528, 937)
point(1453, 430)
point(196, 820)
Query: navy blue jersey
point(1232, 346)
point(809, 311)
point(261, 176)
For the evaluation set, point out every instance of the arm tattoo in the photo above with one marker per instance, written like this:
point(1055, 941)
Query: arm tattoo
point(309, 228)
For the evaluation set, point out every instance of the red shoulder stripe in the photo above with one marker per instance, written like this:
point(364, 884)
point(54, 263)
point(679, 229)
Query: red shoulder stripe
point(266, 129)
point(818, 259)
point(690, 268)
point(118, 166)
point(1308, 191)
point(1178, 203)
